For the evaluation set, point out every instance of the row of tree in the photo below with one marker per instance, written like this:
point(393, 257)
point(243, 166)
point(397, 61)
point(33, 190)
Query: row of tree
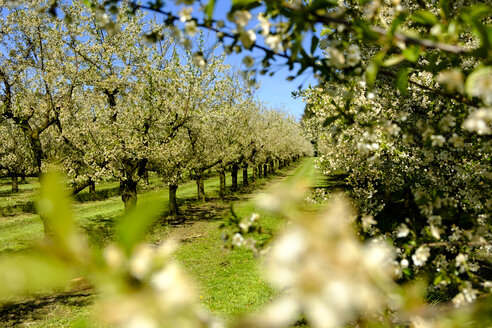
point(416, 160)
point(114, 106)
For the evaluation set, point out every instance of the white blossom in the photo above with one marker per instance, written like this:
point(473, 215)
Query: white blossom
point(421, 255)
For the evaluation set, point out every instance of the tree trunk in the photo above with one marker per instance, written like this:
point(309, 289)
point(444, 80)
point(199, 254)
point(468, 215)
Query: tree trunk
point(265, 170)
point(128, 190)
point(222, 185)
point(173, 204)
point(15, 184)
point(253, 175)
point(92, 187)
point(200, 187)
point(272, 166)
point(23, 180)
point(245, 175)
point(234, 170)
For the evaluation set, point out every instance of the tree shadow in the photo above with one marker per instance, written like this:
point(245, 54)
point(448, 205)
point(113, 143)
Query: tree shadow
point(19, 313)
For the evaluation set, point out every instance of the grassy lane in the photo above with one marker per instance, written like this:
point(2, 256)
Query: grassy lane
point(231, 282)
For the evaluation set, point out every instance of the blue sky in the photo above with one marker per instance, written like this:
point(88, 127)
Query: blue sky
point(275, 90)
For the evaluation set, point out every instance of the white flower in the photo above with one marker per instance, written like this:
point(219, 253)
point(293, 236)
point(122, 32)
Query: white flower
point(367, 222)
point(479, 121)
point(241, 17)
point(479, 84)
point(141, 261)
point(453, 79)
point(237, 239)
point(265, 24)
point(274, 42)
point(190, 28)
point(402, 231)
point(335, 57)
point(353, 55)
point(254, 217)
point(446, 122)
point(404, 263)
point(185, 14)
point(248, 38)
point(421, 255)
point(435, 231)
point(199, 60)
point(460, 262)
point(456, 140)
point(438, 140)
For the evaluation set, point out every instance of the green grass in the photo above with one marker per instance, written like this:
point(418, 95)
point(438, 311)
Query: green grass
point(230, 282)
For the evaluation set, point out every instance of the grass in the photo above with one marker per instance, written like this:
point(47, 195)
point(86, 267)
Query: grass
point(231, 282)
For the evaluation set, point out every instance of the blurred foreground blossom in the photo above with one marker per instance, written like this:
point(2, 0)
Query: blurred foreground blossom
point(325, 273)
point(148, 289)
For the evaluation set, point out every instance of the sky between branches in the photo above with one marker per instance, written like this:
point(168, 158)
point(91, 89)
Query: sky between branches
point(275, 90)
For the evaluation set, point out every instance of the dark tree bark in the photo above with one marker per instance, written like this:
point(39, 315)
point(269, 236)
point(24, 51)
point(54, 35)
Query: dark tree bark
point(128, 189)
point(222, 185)
point(245, 174)
point(253, 175)
point(200, 187)
point(23, 180)
point(173, 204)
point(234, 170)
point(92, 187)
point(15, 184)
point(265, 170)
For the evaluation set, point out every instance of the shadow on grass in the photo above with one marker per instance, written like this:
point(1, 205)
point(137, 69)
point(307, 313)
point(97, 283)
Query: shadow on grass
point(24, 313)
point(215, 208)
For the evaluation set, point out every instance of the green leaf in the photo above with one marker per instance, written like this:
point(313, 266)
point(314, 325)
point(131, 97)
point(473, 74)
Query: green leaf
point(88, 3)
point(373, 68)
point(400, 19)
point(364, 30)
point(29, 273)
point(472, 81)
point(54, 208)
point(402, 81)
point(322, 4)
point(134, 225)
point(393, 60)
point(424, 17)
point(412, 53)
point(329, 120)
point(209, 9)
point(326, 31)
point(314, 43)
point(445, 7)
point(244, 4)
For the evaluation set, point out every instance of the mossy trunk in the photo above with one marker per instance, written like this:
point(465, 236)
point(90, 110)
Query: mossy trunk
point(245, 175)
point(128, 189)
point(15, 184)
point(234, 170)
point(173, 203)
point(222, 184)
point(253, 175)
point(200, 187)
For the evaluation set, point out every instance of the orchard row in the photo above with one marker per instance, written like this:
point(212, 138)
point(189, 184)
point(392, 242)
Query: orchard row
point(104, 106)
